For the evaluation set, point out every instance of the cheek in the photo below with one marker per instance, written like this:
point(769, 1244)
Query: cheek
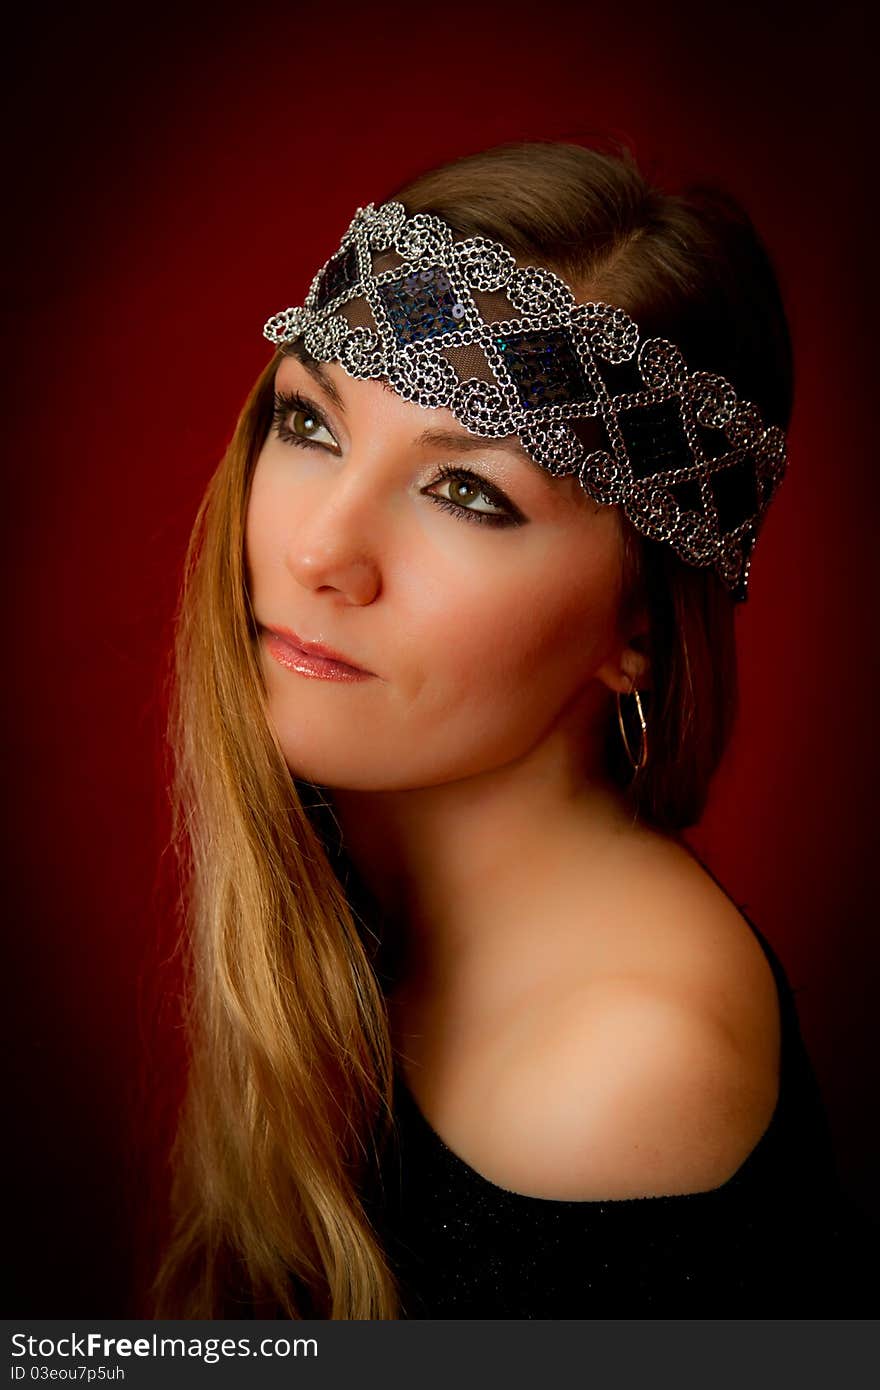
point(263, 531)
point(508, 655)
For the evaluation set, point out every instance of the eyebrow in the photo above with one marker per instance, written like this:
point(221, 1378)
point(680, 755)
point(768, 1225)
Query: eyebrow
point(440, 438)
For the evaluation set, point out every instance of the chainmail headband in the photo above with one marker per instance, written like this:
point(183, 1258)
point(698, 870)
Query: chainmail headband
point(455, 322)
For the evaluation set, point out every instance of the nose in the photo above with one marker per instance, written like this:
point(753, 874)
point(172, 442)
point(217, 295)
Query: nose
point(334, 537)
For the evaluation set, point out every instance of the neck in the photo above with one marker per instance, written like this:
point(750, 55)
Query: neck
point(455, 868)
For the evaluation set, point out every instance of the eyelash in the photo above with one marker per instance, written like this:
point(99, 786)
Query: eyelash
point(287, 401)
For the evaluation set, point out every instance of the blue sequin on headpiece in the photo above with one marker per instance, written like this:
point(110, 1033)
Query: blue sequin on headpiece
point(420, 306)
point(453, 322)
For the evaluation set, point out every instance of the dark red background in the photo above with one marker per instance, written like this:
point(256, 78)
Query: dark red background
point(172, 183)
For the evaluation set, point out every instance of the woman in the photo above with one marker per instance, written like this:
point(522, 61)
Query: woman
point(473, 1032)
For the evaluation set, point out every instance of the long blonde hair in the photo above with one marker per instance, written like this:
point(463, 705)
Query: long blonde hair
point(290, 1064)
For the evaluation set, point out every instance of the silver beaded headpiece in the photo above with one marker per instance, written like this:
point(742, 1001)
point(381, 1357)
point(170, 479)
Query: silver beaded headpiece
point(454, 322)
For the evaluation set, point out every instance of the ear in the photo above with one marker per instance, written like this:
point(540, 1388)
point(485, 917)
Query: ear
point(628, 664)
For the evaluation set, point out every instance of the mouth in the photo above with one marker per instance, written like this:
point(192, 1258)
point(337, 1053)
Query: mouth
point(296, 653)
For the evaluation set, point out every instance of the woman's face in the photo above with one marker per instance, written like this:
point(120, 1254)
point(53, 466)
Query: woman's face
point(478, 633)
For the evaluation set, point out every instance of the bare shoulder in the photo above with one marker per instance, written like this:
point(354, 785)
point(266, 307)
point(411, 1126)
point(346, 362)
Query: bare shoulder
point(637, 1091)
point(655, 1069)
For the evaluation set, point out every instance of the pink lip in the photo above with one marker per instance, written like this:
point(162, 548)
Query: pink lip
point(310, 658)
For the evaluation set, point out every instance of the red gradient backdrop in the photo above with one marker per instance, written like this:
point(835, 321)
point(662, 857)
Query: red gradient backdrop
point(173, 182)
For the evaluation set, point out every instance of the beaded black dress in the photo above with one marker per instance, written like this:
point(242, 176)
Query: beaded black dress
point(778, 1239)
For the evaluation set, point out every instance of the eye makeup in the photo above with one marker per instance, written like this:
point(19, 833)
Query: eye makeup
point(288, 403)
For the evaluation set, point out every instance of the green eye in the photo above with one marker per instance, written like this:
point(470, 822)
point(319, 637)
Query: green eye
point(289, 404)
point(465, 487)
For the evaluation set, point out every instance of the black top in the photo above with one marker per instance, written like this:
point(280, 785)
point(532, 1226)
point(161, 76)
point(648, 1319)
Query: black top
point(778, 1239)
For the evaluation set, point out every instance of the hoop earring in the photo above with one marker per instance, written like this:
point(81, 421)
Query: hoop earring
point(643, 737)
